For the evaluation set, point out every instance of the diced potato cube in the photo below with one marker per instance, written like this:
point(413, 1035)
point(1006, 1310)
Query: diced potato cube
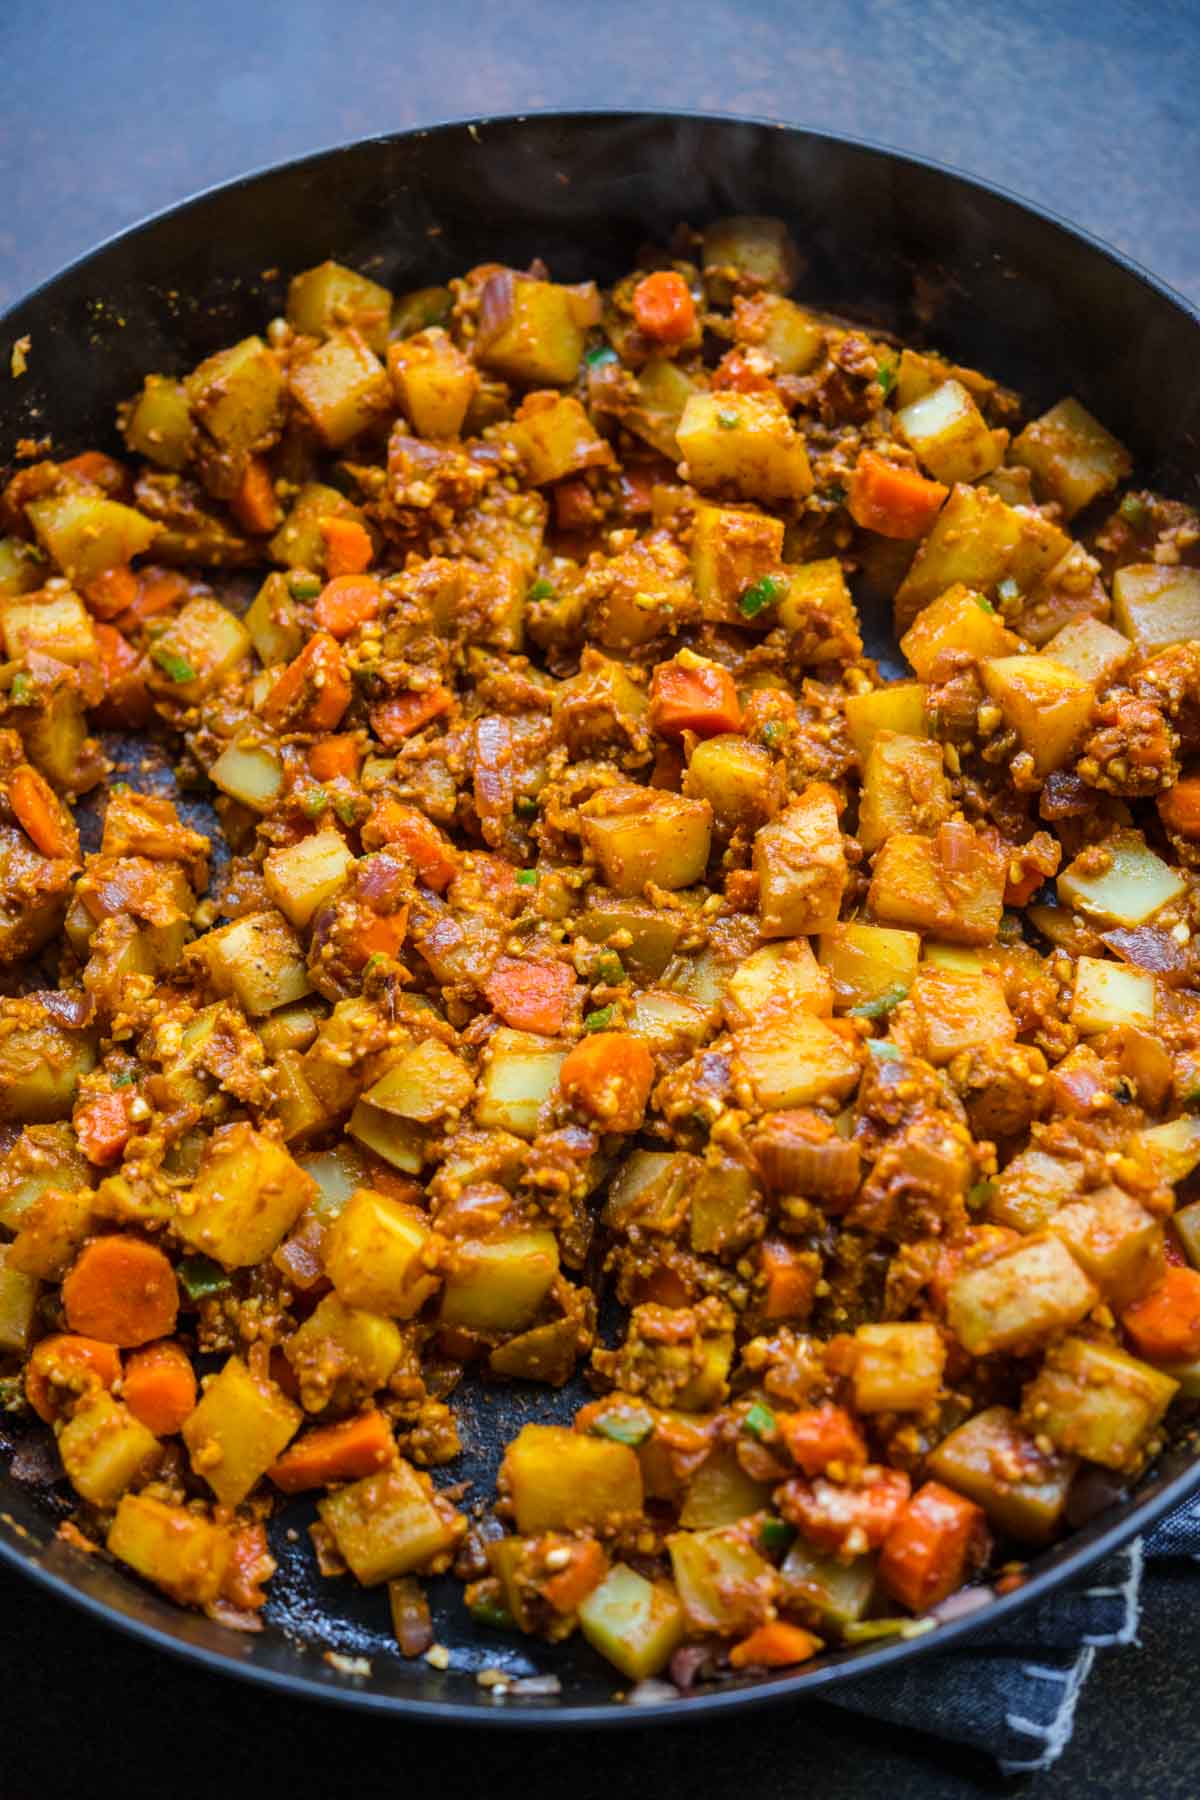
point(159, 424)
point(299, 1110)
point(177, 1550)
point(759, 251)
point(520, 1074)
point(897, 1367)
point(247, 1195)
point(724, 1585)
point(1023, 1296)
point(342, 387)
point(390, 1524)
point(240, 1425)
point(726, 1210)
point(199, 648)
point(1044, 703)
point(904, 789)
point(780, 977)
point(379, 1255)
point(41, 1063)
point(650, 1191)
point(737, 778)
point(428, 1082)
point(818, 608)
point(249, 773)
point(1091, 649)
point(303, 876)
point(435, 382)
point(338, 1174)
point(329, 297)
point(563, 1480)
point(952, 884)
point(979, 541)
point(871, 967)
point(994, 1461)
point(1031, 1190)
point(85, 533)
point(555, 437)
point(273, 622)
point(791, 337)
point(745, 442)
point(237, 396)
point(792, 1060)
point(104, 1450)
point(640, 835)
point(528, 329)
point(800, 862)
point(1176, 1146)
point(950, 435)
point(1093, 1400)
point(921, 371)
point(665, 1019)
point(1108, 994)
point(21, 568)
point(1156, 604)
point(637, 1625)
point(258, 959)
point(500, 1283)
point(955, 1012)
point(399, 1142)
point(1121, 882)
point(1073, 458)
point(58, 625)
point(52, 1233)
point(830, 1593)
point(958, 623)
point(341, 1354)
point(18, 1305)
point(898, 706)
point(1115, 1241)
point(732, 548)
point(44, 1156)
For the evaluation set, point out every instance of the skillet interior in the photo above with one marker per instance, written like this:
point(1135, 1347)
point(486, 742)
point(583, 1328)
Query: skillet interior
point(901, 244)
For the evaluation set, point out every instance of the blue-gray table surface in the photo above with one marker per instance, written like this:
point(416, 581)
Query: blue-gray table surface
point(110, 109)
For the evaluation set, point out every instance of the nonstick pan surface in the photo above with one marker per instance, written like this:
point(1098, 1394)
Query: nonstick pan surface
point(891, 240)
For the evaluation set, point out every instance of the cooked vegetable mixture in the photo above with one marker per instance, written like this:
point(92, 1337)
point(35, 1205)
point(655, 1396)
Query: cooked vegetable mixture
point(598, 921)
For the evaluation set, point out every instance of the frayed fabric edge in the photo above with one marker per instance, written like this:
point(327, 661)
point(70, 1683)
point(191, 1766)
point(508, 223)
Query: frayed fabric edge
point(1055, 1734)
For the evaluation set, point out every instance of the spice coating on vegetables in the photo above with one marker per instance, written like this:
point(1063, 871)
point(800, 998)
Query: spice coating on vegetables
point(599, 921)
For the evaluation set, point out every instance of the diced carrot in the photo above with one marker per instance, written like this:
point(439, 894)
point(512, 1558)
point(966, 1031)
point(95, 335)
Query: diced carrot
point(431, 853)
point(530, 996)
point(693, 695)
point(378, 934)
point(348, 547)
point(574, 505)
point(894, 502)
point(587, 1568)
point(394, 720)
point(1179, 807)
point(738, 373)
point(341, 1452)
point(250, 1565)
point(821, 1435)
point(775, 1645)
point(791, 1280)
point(64, 1366)
point(845, 1520)
point(1165, 1323)
point(936, 1544)
point(347, 602)
point(159, 1387)
point(110, 592)
point(335, 756)
point(102, 1125)
point(313, 691)
point(254, 505)
point(121, 1290)
point(41, 814)
point(664, 308)
point(126, 699)
point(608, 1075)
point(158, 591)
point(99, 470)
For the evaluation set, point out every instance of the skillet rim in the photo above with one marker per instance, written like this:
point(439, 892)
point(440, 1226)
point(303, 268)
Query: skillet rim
point(1090, 1545)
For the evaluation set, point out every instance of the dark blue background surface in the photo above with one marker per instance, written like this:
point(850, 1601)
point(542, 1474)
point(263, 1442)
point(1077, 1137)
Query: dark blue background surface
point(109, 111)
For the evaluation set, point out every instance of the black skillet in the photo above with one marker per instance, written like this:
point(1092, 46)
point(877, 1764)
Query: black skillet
point(894, 241)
